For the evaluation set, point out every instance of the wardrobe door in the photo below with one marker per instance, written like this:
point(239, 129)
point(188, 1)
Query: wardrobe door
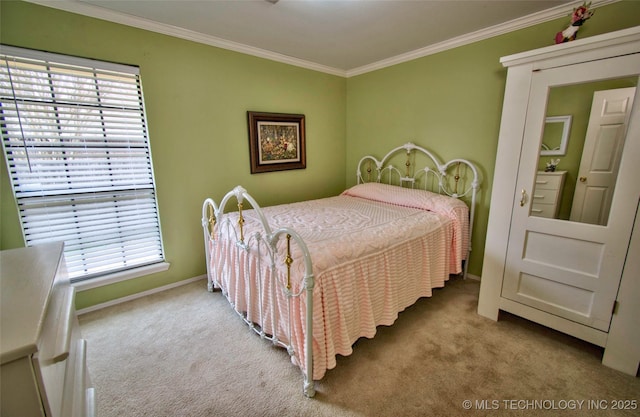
point(567, 268)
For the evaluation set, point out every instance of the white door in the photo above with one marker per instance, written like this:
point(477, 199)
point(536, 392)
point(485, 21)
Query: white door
point(610, 112)
point(570, 269)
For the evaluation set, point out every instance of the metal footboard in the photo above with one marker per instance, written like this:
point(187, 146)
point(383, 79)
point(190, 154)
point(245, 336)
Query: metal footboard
point(222, 228)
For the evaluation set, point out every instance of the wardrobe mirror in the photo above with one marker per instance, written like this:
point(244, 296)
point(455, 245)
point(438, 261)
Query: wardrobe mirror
point(577, 183)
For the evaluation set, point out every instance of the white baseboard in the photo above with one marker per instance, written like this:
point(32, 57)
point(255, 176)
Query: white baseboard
point(474, 277)
point(140, 294)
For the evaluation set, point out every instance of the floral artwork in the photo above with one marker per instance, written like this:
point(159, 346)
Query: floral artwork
point(276, 141)
point(580, 15)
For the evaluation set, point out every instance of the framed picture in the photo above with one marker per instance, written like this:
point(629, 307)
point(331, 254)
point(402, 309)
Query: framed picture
point(276, 141)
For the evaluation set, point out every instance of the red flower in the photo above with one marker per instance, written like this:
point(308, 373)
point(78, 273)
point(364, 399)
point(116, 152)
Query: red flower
point(580, 14)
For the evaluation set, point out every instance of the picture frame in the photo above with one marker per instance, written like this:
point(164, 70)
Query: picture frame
point(276, 141)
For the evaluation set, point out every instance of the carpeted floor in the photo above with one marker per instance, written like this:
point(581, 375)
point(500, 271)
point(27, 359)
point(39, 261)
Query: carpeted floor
point(184, 352)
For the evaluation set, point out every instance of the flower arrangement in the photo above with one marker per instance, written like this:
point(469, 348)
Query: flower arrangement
point(580, 15)
point(552, 165)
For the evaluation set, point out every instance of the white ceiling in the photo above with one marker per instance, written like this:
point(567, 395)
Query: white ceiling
point(343, 37)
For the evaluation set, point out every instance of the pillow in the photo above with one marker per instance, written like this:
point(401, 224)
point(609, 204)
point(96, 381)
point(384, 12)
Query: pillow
point(407, 197)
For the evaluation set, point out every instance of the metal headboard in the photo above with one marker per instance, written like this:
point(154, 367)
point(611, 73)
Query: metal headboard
point(421, 169)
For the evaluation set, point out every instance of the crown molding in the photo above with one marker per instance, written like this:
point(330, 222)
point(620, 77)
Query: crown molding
point(468, 38)
point(140, 23)
point(101, 13)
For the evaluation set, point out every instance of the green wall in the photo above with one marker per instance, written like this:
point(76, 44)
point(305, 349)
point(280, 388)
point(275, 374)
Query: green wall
point(196, 100)
point(451, 101)
point(197, 97)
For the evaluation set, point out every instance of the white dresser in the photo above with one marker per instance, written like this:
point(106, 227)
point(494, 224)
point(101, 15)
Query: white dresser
point(43, 357)
point(547, 193)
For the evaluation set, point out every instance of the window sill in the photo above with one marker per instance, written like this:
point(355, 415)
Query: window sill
point(120, 276)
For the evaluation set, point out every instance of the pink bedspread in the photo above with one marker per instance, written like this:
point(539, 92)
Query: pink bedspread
point(375, 251)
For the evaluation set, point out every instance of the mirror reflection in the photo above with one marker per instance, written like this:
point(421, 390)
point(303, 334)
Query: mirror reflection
point(577, 184)
point(555, 135)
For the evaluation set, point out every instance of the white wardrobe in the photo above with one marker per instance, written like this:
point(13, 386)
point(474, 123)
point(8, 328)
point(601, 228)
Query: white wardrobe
point(580, 277)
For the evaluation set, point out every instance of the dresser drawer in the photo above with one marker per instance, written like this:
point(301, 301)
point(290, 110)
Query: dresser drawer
point(55, 346)
point(543, 196)
point(543, 210)
point(548, 181)
point(76, 401)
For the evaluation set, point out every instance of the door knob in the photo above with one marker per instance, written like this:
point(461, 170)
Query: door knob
point(583, 179)
point(523, 199)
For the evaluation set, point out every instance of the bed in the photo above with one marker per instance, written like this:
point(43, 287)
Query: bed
point(315, 276)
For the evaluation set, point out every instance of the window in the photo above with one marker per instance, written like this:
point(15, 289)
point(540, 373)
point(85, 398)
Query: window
point(77, 149)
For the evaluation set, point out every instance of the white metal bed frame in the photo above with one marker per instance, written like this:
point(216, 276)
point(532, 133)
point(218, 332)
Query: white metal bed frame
point(457, 178)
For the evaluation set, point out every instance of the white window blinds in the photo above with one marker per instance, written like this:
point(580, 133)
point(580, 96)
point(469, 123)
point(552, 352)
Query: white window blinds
point(77, 149)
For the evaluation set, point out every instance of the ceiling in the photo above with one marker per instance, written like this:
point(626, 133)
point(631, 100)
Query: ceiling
point(340, 37)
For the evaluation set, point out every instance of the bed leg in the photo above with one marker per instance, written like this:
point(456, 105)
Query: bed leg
point(210, 286)
point(309, 388)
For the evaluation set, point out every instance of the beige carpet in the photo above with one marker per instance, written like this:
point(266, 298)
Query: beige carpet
point(184, 352)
